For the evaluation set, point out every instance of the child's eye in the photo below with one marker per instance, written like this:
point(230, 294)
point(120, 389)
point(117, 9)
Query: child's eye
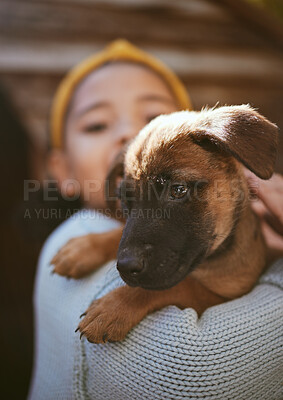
point(96, 128)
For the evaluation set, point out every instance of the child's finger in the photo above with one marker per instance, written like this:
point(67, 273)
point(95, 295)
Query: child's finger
point(271, 194)
point(273, 240)
point(259, 207)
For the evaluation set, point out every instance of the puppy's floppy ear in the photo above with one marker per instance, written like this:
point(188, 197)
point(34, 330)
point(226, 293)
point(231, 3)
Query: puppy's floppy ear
point(115, 174)
point(244, 133)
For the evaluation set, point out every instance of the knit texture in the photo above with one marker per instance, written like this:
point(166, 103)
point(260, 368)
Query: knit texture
point(234, 351)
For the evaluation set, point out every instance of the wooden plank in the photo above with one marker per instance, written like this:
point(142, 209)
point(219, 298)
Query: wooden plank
point(163, 25)
point(194, 7)
point(235, 81)
point(260, 20)
point(57, 58)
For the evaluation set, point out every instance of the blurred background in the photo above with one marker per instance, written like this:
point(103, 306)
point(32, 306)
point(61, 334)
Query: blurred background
point(226, 51)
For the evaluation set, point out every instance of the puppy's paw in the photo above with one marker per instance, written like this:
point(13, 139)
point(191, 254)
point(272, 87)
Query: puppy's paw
point(80, 256)
point(109, 319)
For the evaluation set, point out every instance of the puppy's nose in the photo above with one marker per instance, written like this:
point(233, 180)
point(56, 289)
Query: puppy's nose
point(130, 265)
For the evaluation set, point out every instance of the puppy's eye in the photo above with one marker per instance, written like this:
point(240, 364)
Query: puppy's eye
point(178, 191)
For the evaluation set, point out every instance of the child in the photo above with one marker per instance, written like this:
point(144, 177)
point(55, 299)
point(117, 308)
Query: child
point(171, 354)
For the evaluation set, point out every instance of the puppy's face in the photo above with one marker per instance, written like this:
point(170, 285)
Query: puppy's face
point(178, 210)
point(182, 198)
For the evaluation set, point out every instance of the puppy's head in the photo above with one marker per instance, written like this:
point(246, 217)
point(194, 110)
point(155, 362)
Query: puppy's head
point(183, 189)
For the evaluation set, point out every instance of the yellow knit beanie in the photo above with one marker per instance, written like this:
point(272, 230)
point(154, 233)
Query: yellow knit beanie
point(119, 50)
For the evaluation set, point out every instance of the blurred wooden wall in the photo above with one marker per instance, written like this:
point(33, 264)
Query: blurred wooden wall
point(224, 50)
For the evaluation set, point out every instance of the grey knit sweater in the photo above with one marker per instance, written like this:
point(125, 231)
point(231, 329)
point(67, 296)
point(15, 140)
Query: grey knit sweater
point(234, 351)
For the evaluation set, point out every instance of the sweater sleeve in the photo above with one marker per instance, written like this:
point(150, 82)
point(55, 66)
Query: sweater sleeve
point(58, 302)
point(233, 351)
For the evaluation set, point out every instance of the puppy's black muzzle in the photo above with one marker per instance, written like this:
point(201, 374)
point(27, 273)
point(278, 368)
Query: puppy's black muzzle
point(156, 254)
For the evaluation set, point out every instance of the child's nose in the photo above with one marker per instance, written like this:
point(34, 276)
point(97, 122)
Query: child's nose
point(126, 133)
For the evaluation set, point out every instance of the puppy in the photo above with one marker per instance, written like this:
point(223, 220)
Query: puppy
point(190, 238)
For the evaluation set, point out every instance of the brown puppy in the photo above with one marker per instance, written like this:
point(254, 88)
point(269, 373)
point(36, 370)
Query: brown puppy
point(191, 238)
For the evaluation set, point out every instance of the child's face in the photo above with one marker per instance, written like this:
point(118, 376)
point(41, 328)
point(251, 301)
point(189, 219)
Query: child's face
point(108, 109)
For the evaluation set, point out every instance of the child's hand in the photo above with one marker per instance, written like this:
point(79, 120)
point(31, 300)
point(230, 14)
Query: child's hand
point(269, 207)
